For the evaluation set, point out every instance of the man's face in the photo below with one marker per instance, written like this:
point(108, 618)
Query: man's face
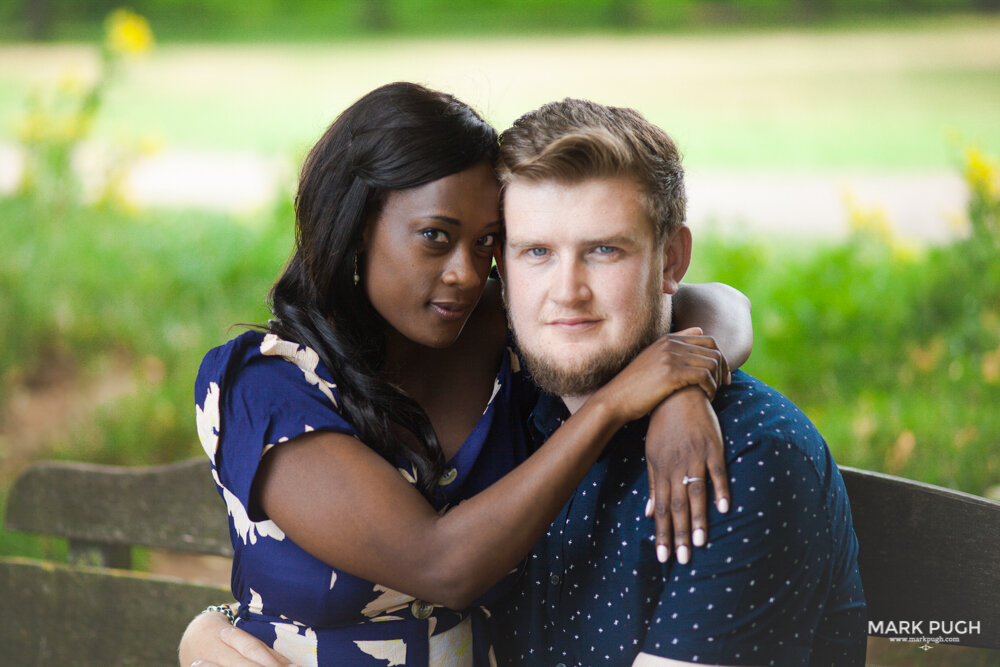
point(583, 280)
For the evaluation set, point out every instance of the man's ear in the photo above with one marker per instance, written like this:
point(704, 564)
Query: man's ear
point(676, 258)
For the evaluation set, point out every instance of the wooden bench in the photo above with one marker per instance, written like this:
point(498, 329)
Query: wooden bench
point(927, 554)
point(95, 610)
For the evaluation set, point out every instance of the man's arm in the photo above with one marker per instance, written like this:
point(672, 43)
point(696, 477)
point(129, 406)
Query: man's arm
point(722, 312)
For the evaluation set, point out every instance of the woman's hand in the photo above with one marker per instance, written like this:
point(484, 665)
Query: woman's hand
point(210, 640)
point(684, 442)
point(670, 363)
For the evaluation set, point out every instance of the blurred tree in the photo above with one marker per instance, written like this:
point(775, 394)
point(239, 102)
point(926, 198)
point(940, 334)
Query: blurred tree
point(625, 13)
point(814, 9)
point(719, 11)
point(375, 15)
point(39, 19)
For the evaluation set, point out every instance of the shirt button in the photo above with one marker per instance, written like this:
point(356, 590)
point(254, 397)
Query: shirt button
point(559, 664)
point(554, 580)
point(448, 477)
point(421, 609)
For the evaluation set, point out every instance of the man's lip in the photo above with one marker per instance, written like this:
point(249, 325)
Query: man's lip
point(451, 310)
point(574, 322)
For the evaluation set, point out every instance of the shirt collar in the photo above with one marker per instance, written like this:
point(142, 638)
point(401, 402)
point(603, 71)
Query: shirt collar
point(548, 414)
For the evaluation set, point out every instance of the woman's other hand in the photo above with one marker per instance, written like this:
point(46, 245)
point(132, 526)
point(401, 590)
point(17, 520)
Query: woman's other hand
point(211, 641)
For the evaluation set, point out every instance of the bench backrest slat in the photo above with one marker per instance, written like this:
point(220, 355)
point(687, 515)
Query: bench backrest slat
point(173, 506)
point(55, 614)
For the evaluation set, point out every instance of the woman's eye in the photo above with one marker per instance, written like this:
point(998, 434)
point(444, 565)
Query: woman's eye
point(488, 241)
point(435, 235)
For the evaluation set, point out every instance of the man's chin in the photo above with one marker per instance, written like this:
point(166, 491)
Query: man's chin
point(575, 378)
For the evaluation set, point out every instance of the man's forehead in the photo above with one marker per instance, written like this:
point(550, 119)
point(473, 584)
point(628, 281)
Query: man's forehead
point(611, 205)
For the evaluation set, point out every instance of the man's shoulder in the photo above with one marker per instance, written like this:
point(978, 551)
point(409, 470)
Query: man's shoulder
point(746, 396)
point(754, 415)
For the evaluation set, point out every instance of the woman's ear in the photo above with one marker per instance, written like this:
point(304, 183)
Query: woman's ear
point(676, 258)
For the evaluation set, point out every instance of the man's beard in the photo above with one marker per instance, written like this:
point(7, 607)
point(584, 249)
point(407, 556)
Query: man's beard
point(591, 374)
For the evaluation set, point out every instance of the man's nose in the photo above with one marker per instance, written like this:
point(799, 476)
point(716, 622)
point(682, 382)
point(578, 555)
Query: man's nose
point(570, 284)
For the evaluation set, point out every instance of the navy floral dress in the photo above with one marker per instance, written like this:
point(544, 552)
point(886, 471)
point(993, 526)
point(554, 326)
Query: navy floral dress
point(259, 391)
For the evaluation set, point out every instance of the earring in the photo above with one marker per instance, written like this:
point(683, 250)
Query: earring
point(357, 278)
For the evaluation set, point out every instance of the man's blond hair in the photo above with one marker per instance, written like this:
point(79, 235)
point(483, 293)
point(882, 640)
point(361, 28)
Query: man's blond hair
point(575, 140)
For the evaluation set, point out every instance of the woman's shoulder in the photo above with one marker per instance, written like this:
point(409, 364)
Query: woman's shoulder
point(263, 365)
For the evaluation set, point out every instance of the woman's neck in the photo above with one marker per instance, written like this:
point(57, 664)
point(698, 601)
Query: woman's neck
point(409, 365)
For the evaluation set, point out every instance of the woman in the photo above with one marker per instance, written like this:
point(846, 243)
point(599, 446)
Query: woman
point(376, 506)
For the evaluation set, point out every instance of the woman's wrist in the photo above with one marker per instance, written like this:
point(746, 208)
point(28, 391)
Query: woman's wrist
point(224, 609)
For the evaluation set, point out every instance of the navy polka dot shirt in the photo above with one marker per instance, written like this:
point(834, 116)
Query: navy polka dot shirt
point(776, 584)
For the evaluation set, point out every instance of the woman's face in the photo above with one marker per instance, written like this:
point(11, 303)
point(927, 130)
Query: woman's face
point(428, 255)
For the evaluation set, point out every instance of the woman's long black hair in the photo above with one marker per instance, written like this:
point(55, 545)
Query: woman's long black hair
point(398, 136)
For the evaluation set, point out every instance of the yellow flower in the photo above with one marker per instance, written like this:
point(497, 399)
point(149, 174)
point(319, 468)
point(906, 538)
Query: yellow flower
point(981, 173)
point(127, 33)
point(873, 221)
point(906, 250)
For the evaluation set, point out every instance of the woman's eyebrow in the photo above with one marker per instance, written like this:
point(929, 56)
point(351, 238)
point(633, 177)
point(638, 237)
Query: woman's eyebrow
point(455, 222)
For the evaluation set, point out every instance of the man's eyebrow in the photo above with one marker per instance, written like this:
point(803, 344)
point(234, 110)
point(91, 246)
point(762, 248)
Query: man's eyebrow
point(522, 243)
point(618, 239)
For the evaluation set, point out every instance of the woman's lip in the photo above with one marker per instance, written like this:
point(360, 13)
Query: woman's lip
point(450, 310)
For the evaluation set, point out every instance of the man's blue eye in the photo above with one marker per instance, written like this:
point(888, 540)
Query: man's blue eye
point(537, 252)
point(605, 249)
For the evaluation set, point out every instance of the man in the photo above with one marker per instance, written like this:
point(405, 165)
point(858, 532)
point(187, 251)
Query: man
point(594, 206)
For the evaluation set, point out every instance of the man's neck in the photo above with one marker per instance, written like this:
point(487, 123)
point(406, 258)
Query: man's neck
point(574, 403)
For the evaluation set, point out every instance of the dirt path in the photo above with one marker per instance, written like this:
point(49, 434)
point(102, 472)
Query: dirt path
point(41, 410)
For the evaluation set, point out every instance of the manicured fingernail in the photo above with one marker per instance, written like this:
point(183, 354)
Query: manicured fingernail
point(649, 508)
point(683, 554)
point(662, 553)
point(723, 505)
point(698, 537)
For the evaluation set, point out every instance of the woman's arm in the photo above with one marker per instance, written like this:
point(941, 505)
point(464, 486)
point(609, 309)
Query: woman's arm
point(683, 440)
point(377, 526)
point(722, 312)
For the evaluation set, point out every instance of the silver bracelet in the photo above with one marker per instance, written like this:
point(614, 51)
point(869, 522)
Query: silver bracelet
point(224, 609)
